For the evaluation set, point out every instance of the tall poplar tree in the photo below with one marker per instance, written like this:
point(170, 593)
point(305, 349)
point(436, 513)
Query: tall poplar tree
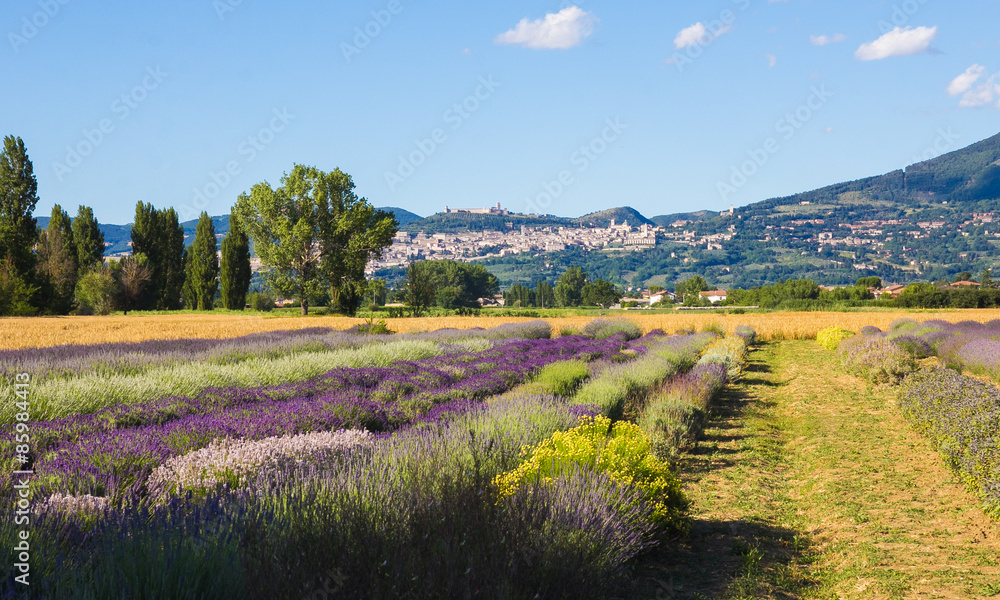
point(202, 266)
point(18, 233)
point(158, 235)
point(57, 262)
point(88, 238)
point(235, 272)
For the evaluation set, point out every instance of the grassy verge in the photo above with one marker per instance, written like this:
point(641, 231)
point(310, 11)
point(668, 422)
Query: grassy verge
point(810, 484)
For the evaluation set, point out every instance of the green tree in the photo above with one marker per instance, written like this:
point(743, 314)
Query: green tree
point(963, 276)
point(420, 292)
point(569, 288)
point(545, 296)
point(304, 231)
point(353, 234)
point(870, 282)
point(986, 279)
point(689, 290)
point(600, 292)
point(133, 275)
point(202, 266)
point(159, 235)
point(18, 197)
point(57, 262)
point(97, 292)
point(519, 295)
point(235, 272)
point(15, 291)
point(88, 239)
point(377, 292)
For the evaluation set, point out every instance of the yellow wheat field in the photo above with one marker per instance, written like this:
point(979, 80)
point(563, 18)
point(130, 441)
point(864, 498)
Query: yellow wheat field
point(26, 332)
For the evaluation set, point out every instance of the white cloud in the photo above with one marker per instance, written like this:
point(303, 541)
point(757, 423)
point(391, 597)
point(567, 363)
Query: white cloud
point(963, 82)
point(557, 31)
point(698, 34)
point(976, 87)
point(771, 60)
point(822, 40)
point(901, 41)
point(829, 130)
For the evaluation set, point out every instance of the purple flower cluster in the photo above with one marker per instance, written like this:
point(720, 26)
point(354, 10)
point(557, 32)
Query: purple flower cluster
point(965, 345)
point(961, 417)
point(876, 359)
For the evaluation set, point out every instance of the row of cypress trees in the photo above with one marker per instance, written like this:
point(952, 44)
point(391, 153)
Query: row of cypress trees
point(61, 269)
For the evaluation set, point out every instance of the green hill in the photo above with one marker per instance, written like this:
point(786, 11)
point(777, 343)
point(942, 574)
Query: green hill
point(618, 215)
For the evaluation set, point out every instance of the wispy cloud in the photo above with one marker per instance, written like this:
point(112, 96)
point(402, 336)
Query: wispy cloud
point(901, 41)
point(697, 34)
point(976, 94)
point(565, 29)
point(822, 40)
point(771, 61)
point(964, 82)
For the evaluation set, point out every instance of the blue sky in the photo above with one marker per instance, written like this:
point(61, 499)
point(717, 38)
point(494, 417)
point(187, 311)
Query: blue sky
point(540, 106)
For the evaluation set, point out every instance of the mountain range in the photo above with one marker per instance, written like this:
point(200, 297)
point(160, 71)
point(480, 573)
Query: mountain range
point(774, 238)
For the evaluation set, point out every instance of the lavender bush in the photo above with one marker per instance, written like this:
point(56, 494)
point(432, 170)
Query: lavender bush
point(876, 359)
point(961, 417)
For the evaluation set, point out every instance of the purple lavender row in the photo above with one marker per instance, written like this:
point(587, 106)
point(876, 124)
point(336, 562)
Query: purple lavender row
point(961, 417)
point(112, 452)
point(965, 345)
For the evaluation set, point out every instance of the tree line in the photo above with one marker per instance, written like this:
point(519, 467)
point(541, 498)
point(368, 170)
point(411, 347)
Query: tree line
point(313, 234)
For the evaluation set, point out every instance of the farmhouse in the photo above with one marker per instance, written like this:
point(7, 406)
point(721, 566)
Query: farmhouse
point(715, 296)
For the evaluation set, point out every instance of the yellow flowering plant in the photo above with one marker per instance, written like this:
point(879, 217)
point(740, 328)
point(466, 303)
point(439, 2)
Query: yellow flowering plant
point(621, 449)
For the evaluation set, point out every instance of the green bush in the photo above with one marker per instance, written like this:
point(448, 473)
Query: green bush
point(561, 378)
point(672, 425)
point(601, 329)
point(262, 301)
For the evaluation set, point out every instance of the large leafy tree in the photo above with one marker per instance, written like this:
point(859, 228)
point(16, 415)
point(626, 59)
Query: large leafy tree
point(601, 293)
point(57, 262)
point(569, 288)
point(235, 272)
point(355, 234)
point(88, 238)
point(159, 235)
point(314, 234)
point(202, 266)
point(18, 233)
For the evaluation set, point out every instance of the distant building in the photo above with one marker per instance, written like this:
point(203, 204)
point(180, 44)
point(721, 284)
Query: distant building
point(964, 284)
point(715, 296)
point(493, 210)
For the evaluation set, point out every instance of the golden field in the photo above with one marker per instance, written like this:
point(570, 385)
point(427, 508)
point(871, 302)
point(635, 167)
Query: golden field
point(26, 332)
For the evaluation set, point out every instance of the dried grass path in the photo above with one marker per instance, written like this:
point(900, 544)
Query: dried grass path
point(810, 484)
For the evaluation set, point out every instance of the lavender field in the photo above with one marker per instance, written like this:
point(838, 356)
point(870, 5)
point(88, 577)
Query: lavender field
point(958, 413)
point(497, 463)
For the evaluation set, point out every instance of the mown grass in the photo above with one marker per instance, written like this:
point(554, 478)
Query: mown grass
point(810, 484)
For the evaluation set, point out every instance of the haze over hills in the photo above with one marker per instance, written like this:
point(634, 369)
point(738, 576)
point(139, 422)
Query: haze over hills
point(929, 220)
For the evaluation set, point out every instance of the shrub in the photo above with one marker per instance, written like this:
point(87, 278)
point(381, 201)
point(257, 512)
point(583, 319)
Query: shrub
point(870, 330)
point(262, 301)
point(622, 450)
point(672, 425)
point(97, 293)
point(831, 337)
point(730, 353)
point(562, 378)
point(748, 334)
point(372, 327)
point(915, 346)
point(714, 328)
point(601, 329)
point(876, 359)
